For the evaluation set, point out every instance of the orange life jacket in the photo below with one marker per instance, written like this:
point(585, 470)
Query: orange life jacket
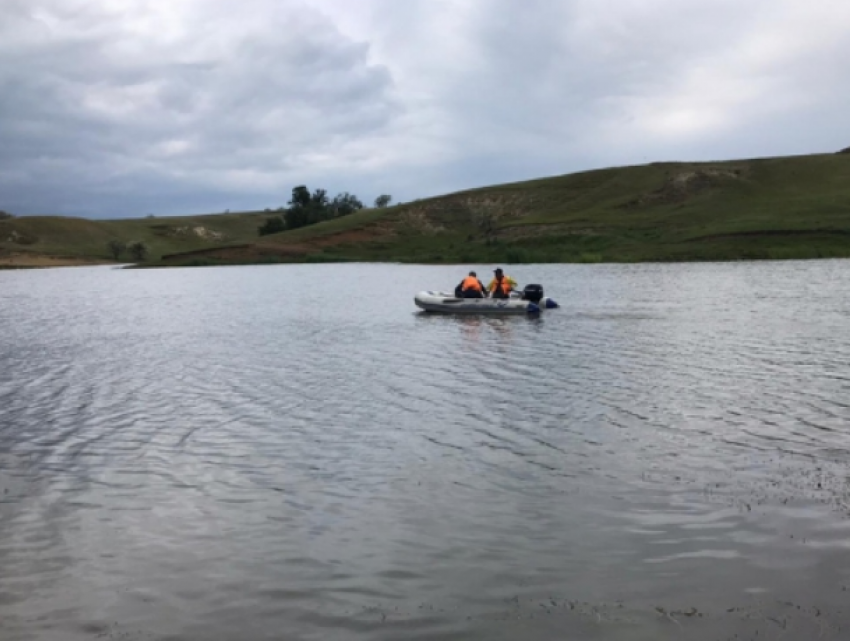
point(470, 283)
point(502, 284)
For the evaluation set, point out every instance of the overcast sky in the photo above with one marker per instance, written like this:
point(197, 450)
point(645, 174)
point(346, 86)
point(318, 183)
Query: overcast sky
point(112, 108)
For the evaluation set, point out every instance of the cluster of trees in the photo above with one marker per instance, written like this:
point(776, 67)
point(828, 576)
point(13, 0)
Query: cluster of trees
point(307, 208)
point(137, 250)
point(5, 214)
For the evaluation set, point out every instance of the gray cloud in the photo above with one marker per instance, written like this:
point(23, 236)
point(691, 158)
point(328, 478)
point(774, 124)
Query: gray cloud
point(93, 110)
point(201, 105)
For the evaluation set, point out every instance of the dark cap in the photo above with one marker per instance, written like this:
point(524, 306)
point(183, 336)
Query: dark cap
point(498, 270)
point(473, 274)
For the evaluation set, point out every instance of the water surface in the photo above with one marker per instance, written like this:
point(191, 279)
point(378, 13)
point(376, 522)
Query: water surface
point(295, 452)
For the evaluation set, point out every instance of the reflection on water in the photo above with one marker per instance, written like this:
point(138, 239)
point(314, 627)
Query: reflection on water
point(276, 452)
point(474, 329)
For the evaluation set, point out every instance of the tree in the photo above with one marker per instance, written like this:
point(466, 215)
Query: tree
point(383, 201)
point(307, 208)
point(116, 248)
point(296, 217)
point(319, 199)
point(138, 250)
point(5, 214)
point(345, 204)
point(300, 197)
point(272, 225)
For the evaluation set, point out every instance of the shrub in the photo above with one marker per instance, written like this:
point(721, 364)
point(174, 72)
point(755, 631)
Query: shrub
point(116, 248)
point(138, 250)
point(272, 225)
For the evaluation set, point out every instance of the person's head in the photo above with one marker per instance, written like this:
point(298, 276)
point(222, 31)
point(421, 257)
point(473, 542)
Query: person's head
point(498, 271)
point(473, 274)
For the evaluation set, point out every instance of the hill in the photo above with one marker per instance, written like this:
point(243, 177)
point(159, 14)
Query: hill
point(54, 240)
point(787, 207)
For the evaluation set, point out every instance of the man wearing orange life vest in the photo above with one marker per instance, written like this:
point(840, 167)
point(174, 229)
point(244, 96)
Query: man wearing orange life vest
point(470, 287)
point(501, 286)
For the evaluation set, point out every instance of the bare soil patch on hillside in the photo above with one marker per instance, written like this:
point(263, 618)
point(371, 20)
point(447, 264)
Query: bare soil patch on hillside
point(13, 260)
point(684, 185)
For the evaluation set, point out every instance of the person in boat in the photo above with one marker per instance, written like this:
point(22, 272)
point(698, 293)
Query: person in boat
point(501, 286)
point(470, 287)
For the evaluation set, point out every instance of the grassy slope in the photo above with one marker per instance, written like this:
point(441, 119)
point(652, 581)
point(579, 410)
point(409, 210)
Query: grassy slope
point(78, 237)
point(764, 208)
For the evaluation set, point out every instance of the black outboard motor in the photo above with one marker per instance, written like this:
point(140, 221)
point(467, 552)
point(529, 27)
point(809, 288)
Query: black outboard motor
point(533, 293)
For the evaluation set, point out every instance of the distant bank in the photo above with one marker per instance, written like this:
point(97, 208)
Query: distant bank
point(767, 208)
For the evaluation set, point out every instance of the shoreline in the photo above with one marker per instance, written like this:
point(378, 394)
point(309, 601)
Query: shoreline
point(49, 262)
point(39, 261)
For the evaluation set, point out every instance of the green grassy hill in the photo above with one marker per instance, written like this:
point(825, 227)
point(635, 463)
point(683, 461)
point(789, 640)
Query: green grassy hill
point(789, 207)
point(79, 240)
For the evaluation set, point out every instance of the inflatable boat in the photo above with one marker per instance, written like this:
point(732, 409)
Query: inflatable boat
point(529, 301)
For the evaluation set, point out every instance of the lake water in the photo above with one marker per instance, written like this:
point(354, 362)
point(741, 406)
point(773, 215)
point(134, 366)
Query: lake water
point(296, 452)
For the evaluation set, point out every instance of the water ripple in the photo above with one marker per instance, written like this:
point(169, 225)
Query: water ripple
point(221, 453)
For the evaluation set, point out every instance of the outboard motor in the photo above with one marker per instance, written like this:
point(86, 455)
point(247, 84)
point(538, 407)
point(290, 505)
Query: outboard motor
point(533, 293)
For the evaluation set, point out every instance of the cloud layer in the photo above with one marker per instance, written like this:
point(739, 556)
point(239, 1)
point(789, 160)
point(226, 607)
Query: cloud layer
point(122, 108)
